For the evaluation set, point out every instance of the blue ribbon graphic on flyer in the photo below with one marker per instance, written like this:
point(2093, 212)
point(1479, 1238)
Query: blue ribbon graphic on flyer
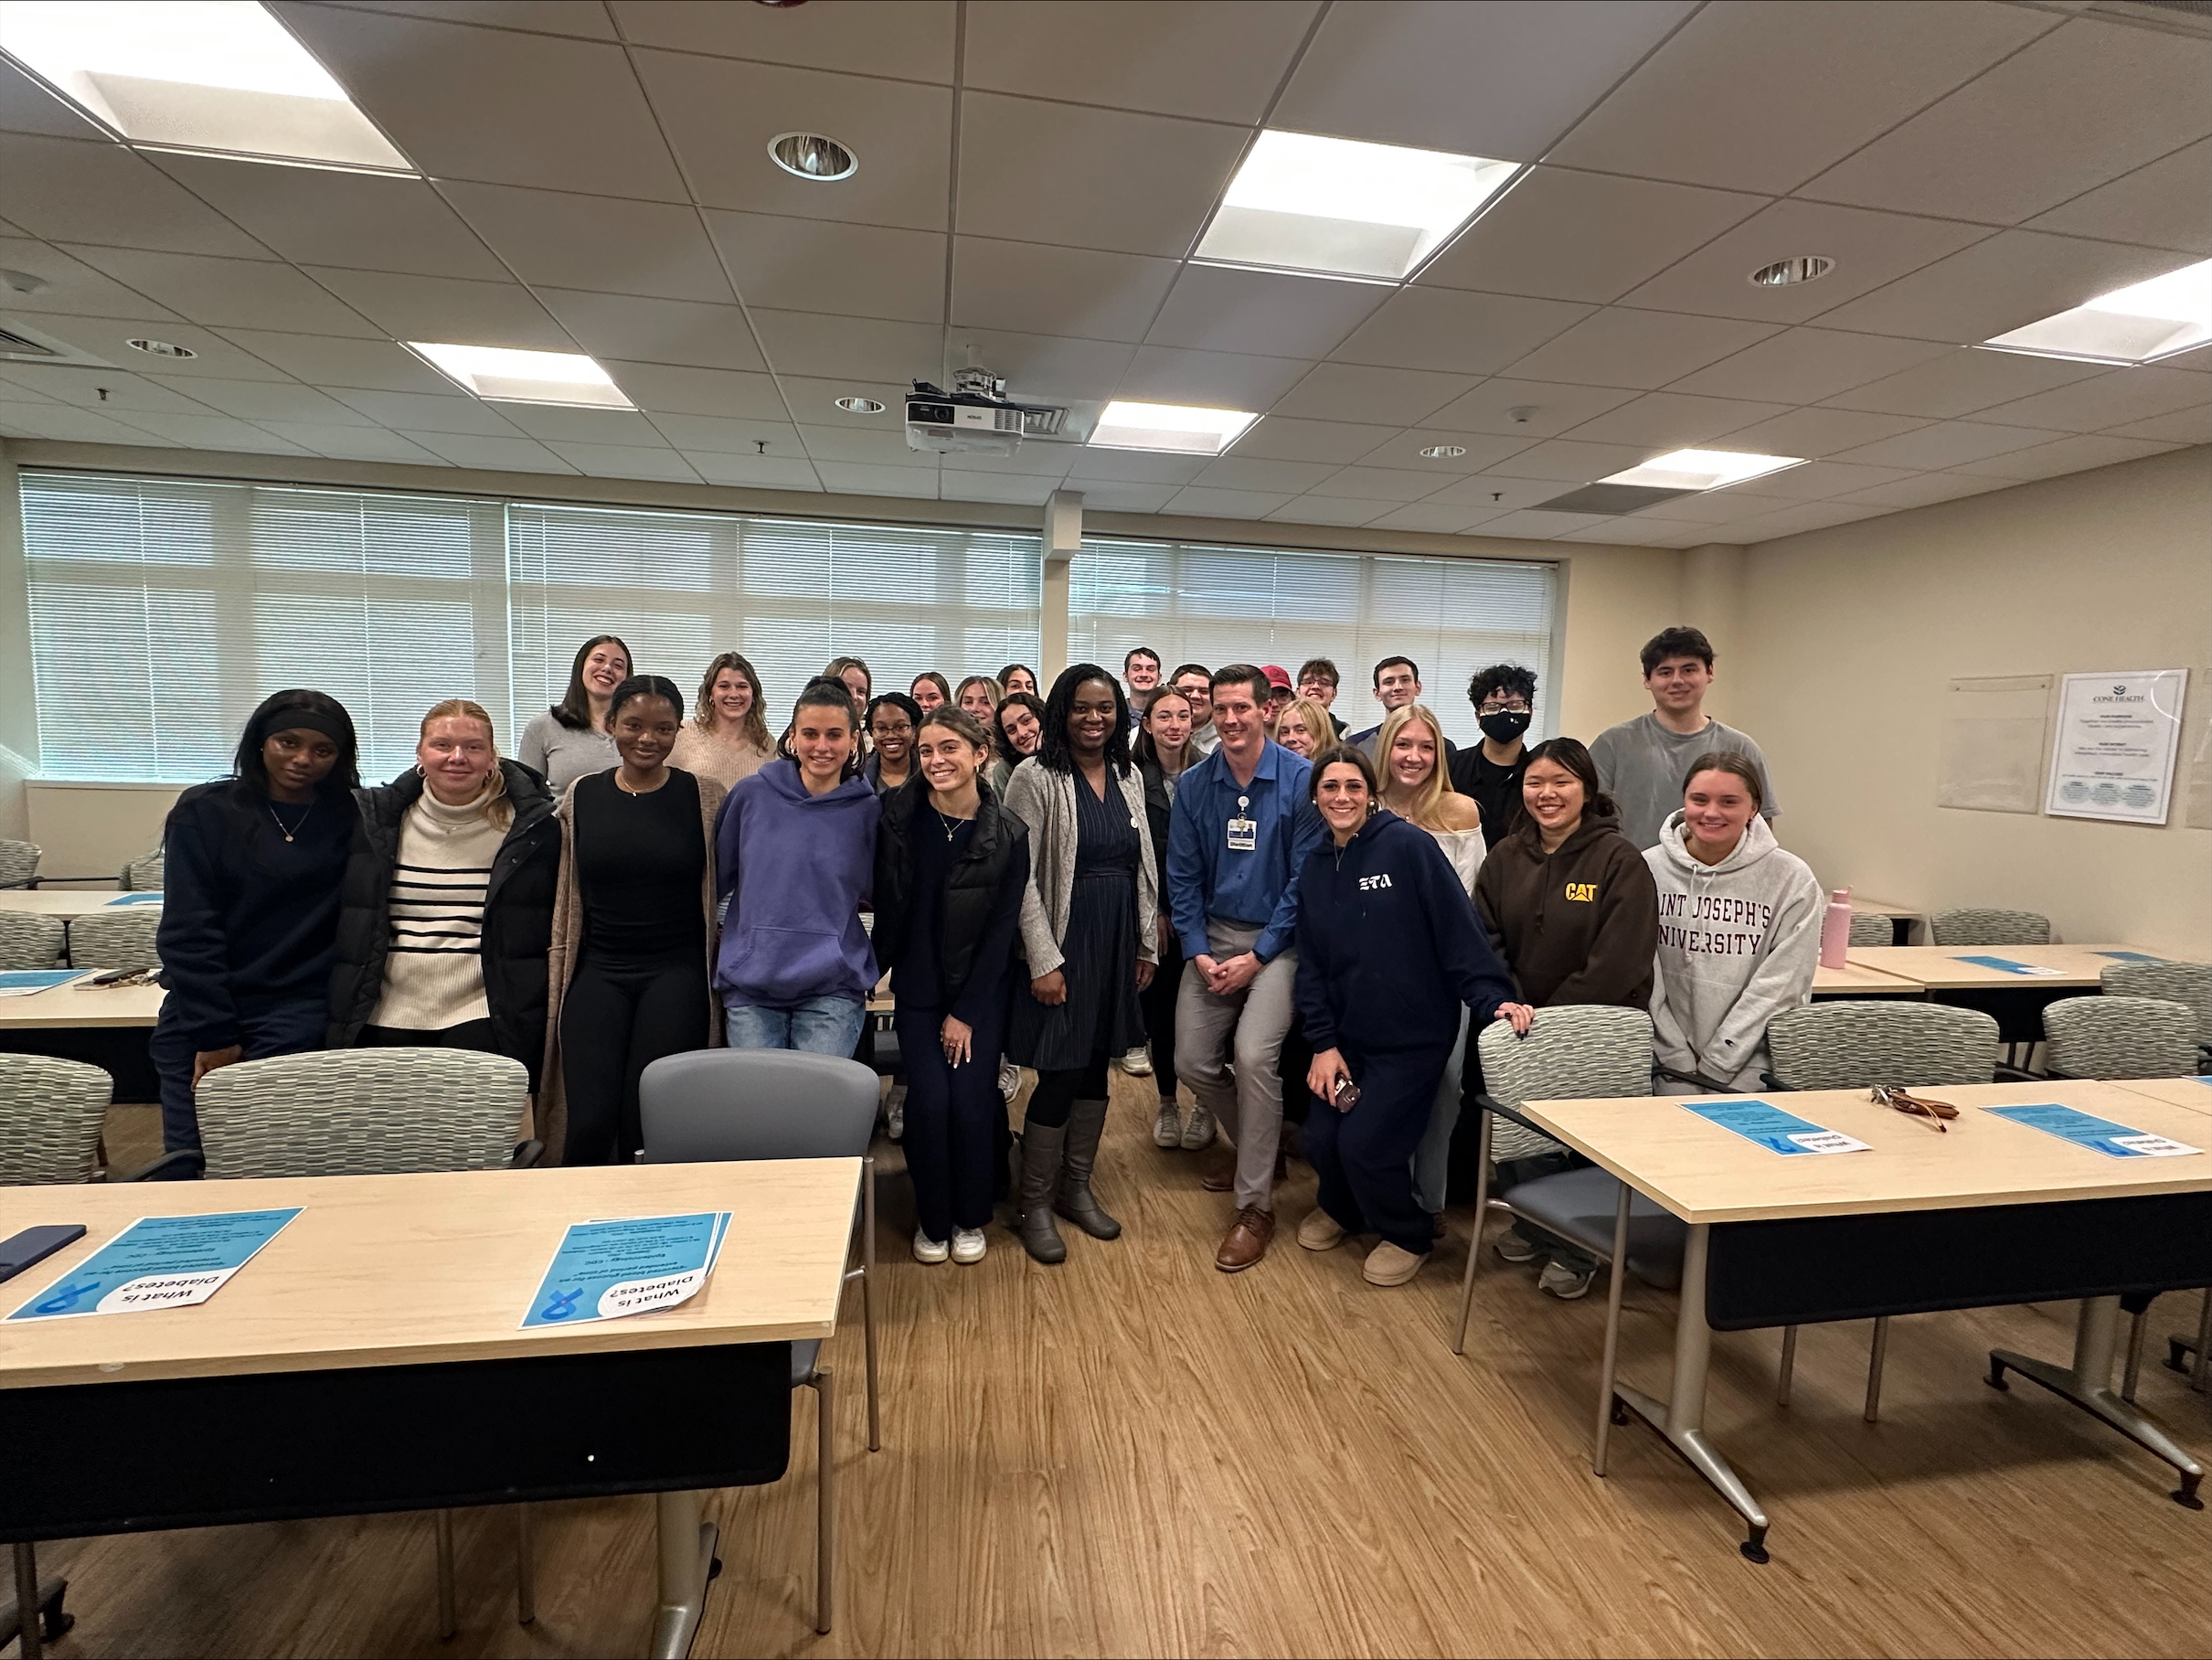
point(159, 1262)
point(2084, 1130)
point(603, 1270)
point(1773, 1129)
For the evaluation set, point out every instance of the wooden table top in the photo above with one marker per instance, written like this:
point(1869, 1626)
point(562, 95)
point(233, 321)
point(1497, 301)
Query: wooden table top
point(1858, 979)
point(2193, 1093)
point(1883, 908)
point(1940, 968)
point(1706, 1174)
point(409, 1269)
point(79, 1003)
point(69, 901)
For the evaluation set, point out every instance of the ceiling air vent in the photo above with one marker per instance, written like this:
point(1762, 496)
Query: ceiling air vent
point(17, 345)
point(1614, 499)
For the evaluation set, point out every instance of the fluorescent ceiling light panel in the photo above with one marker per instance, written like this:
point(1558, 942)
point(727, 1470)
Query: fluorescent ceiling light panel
point(221, 75)
point(499, 374)
point(2135, 324)
point(1702, 469)
point(1169, 427)
point(1342, 209)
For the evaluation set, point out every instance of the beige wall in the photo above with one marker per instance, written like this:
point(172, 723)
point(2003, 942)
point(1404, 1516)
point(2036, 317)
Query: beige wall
point(1851, 635)
point(94, 829)
point(1616, 599)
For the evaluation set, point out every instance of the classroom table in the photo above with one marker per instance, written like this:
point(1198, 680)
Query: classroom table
point(79, 1004)
point(2014, 1001)
point(1988, 1213)
point(1857, 980)
point(370, 1359)
point(67, 902)
point(1902, 917)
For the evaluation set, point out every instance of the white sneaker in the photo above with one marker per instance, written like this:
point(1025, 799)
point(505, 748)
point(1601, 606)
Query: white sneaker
point(927, 1250)
point(1566, 1283)
point(967, 1245)
point(1167, 1129)
point(1137, 1063)
point(1199, 1132)
point(894, 1115)
point(1009, 1079)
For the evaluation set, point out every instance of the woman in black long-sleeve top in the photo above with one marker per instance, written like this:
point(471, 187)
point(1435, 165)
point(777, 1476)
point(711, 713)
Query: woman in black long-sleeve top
point(951, 867)
point(249, 925)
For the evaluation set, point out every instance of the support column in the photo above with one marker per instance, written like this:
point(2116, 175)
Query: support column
point(1063, 537)
point(18, 704)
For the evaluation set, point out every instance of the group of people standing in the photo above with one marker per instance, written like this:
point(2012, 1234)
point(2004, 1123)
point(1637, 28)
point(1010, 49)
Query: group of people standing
point(1200, 876)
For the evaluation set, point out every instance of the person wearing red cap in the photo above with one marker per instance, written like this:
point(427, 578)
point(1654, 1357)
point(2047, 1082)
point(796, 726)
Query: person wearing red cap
point(1281, 694)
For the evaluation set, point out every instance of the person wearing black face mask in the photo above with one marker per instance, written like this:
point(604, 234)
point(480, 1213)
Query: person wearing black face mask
point(1504, 698)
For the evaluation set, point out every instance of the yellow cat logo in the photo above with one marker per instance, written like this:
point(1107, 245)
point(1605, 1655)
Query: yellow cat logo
point(1585, 891)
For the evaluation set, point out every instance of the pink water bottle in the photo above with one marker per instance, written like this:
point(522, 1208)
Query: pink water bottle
point(1835, 930)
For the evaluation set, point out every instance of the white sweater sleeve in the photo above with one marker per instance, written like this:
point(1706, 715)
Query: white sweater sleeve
point(1782, 979)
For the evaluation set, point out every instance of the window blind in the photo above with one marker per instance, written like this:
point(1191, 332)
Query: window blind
point(1200, 602)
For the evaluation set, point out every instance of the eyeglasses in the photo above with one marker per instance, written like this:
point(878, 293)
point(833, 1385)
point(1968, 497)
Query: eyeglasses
point(1503, 708)
point(1913, 1106)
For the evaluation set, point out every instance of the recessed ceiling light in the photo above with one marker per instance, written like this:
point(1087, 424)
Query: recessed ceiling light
point(161, 348)
point(1170, 427)
point(811, 156)
point(2139, 323)
point(858, 406)
point(1342, 209)
point(1784, 273)
point(1702, 469)
point(500, 374)
point(203, 75)
point(1444, 451)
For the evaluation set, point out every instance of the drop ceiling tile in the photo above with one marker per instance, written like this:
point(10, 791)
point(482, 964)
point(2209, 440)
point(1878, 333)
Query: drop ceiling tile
point(1375, 397)
point(1466, 334)
point(906, 39)
point(1038, 458)
point(637, 330)
point(68, 191)
point(2110, 399)
point(1924, 488)
point(1546, 409)
point(816, 343)
point(1039, 290)
point(1280, 438)
point(112, 391)
point(2199, 360)
point(441, 310)
point(1271, 314)
point(1496, 493)
point(274, 402)
point(66, 423)
point(1502, 79)
point(1381, 483)
point(1123, 499)
point(2168, 204)
point(1225, 380)
point(229, 293)
point(1816, 481)
point(1225, 504)
point(1330, 510)
point(1630, 532)
point(1620, 347)
point(421, 412)
point(1090, 178)
point(1812, 432)
point(550, 422)
point(28, 107)
point(883, 447)
point(1721, 507)
point(849, 478)
point(1539, 526)
point(354, 444)
point(1426, 519)
point(2065, 455)
point(212, 432)
point(2007, 282)
point(1133, 467)
point(1675, 419)
point(1752, 96)
point(1949, 443)
point(1045, 368)
point(816, 401)
point(1572, 461)
point(1584, 236)
point(718, 436)
point(721, 116)
point(2010, 145)
point(314, 217)
point(1012, 488)
point(586, 18)
point(328, 360)
point(2189, 426)
point(1404, 449)
point(108, 339)
point(1962, 381)
point(553, 239)
point(1258, 473)
point(68, 285)
point(1216, 62)
point(1869, 250)
point(1806, 364)
point(492, 454)
point(495, 105)
point(625, 461)
point(1798, 520)
point(756, 471)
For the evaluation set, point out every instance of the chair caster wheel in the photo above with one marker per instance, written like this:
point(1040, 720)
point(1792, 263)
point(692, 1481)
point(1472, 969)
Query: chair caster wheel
point(1755, 1548)
point(2186, 1495)
point(714, 1569)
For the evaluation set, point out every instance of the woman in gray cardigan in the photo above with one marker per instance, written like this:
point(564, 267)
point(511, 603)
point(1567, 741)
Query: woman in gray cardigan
point(1087, 934)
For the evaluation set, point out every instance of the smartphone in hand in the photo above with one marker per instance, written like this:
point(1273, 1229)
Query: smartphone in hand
point(1346, 1093)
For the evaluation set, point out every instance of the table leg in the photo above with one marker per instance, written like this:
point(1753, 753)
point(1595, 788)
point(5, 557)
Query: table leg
point(1616, 1282)
point(687, 1564)
point(2179, 1349)
point(2088, 1383)
point(1681, 1417)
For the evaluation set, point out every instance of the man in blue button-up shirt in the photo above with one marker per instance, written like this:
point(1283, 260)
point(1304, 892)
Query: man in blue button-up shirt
point(1242, 827)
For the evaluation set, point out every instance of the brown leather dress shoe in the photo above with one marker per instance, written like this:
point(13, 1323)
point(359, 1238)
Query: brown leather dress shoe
point(1247, 1242)
point(1221, 1176)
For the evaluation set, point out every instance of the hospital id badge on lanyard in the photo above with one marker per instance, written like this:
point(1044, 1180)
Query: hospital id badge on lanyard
point(1243, 833)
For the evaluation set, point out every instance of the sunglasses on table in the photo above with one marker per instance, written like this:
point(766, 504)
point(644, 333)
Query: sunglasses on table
point(1915, 1106)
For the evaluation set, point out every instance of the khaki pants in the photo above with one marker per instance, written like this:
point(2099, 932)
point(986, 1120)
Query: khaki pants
point(1227, 1050)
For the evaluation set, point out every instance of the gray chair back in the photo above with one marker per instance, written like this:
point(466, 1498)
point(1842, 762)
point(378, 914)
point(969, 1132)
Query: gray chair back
point(1571, 1053)
point(143, 874)
point(707, 1105)
point(2119, 1038)
point(362, 1113)
point(115, 939)
point(19, 863)
point(1866, 928)
point(29, 941)
point(2189, 983)
point(50, 1114)
point(1857, 1045)
point(1971, 926)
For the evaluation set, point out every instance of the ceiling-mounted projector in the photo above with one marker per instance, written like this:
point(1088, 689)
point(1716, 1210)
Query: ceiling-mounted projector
point(975, 418)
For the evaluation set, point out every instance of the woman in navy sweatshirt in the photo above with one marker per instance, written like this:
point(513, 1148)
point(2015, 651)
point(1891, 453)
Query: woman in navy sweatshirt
point(249, 929)
point(1388, 951)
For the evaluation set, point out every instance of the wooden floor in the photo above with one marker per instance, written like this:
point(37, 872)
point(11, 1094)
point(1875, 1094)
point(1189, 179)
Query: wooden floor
point(1135, 1454)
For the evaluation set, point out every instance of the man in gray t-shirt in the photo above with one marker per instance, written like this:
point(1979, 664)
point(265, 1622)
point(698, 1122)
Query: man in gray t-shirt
point(1640, 762)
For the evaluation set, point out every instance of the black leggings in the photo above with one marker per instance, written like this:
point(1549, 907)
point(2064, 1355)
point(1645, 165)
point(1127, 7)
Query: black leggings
point(1158, 1002)
point(616, 1020)
point(1056, 1093)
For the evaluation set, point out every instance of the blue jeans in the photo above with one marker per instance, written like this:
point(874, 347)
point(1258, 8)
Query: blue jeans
point(284, 1028)
point(819, 1025)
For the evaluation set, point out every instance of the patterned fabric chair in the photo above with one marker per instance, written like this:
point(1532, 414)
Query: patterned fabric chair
point(115, 939)
point(143, 874)
point(51, 1116)
point(2119, 1038)
point(1866, 928)
point(28, 942)
point(1977, 927)
point(2189, 983)
point(18, 864)
point(1571, 1053)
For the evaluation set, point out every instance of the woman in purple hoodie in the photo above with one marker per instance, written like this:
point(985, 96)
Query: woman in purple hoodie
point(795, 850)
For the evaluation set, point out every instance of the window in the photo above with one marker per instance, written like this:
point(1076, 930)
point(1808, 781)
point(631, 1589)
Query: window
point(162, 611)
point(1195, 602)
